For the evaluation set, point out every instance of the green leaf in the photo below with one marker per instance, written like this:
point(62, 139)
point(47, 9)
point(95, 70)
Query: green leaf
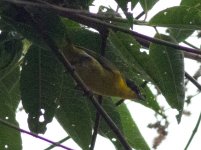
point(92, 41)
point(122, 54)
point(147, 4)
point(22, 22)
point(15, 19)
point(168, 73)
point(130, 129)
point(122, 118)
point(10, 52)
point(126, 124)
point(187, 18)
point(191, 3)
point(49, 23)
point(9, 100)
point(104, 129)
point(128, 49)
point(180, 34)
point(123, 4)
point(154, 66)
point(40, 82)
point(73, 113)
point(134, 3)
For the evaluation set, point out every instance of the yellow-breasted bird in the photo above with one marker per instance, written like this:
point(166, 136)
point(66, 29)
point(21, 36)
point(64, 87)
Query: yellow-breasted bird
point(99, 74)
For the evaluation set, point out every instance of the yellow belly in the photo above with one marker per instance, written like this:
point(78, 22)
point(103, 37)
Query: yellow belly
point(103, 82)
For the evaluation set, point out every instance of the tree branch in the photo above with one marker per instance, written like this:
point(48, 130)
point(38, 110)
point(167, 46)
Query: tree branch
point(84, 18)
point(104, 35)
point(53, 47)
point(32, 134)
point(192, 56)
point(96, 125)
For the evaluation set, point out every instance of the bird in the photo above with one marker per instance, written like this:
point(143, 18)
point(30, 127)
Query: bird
point(99, 74)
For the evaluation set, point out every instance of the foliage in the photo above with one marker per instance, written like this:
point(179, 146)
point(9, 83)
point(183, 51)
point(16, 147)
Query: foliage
point(33, 74)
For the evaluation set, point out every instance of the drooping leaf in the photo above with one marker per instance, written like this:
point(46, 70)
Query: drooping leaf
point(123, 4)
point(169, 73)
point(128, 48)
point(188, 20)
point(47, 22)
point(153, 65)
point(73, 113)
point(18, 20)
point(130, 129)
point(147, 4)
point(29, 22)
point(134, 3)
point(191, 3)
point(10, 52)
point(40, 82)
point(91, 40)
point(126, 124)
point(122, 54)
point(9, 100)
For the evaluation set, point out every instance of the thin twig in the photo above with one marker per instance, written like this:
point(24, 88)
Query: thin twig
point(53, 47)
point(104, 35)
point(96, 125)
point(197, 73)
point(32, 134)
point(59, 142)
point(193, 133)
point(193, 81)
point(189, 44)
point(119, 102)
point(140, 15)
point(83, 19)
point(98, 24)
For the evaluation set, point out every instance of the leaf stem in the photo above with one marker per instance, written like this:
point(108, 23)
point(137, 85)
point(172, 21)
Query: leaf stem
point(193, 81)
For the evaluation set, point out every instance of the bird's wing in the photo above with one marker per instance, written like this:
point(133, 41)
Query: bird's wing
point(102, 60)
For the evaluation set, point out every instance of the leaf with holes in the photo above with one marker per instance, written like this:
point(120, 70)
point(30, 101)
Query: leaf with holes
point(40, 82)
